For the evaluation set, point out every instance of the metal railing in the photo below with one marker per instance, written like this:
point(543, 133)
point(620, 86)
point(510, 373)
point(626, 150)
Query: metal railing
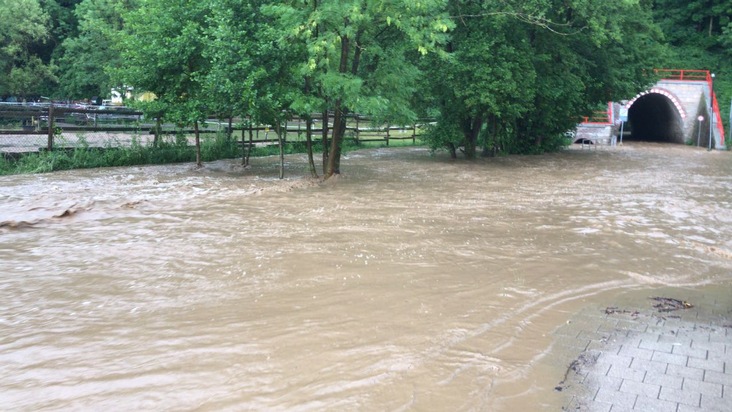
point(601, 117)
point(699, 76)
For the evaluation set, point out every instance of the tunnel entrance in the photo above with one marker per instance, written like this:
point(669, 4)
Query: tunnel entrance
point(654, 117)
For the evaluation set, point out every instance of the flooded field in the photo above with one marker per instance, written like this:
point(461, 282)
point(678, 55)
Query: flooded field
point(411, 282)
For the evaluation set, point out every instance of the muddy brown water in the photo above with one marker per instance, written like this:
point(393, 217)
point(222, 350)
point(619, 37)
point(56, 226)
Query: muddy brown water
point(412, 282)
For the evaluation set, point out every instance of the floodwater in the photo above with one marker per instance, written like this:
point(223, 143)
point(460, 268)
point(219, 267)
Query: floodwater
point(411, 282)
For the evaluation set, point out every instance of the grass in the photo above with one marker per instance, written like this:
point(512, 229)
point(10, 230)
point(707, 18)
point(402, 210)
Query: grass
point(213, 147)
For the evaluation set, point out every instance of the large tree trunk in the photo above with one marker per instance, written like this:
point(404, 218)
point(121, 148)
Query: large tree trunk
point(471, 130)
point(280, 142)
point(246, 148)
point(339, 128)
point(452, 150)
point(325, 140)
point(309, 144)
point(490, 145)
point(198, 145)
point(339, 119)
point(158, 131)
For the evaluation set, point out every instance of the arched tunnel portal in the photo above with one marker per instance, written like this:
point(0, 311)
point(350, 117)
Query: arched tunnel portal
point(655, 116)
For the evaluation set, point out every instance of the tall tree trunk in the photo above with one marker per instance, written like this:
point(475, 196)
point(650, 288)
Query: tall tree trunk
point(471, 133)
point(278, 130)
point(251, 141)
point(198, 145)
point(243, 147)
point(325, 140)
point(452, 150)
point(339, 127)
point(339, 119)
point(309, 130)
point(309, 144)
point(158, 130)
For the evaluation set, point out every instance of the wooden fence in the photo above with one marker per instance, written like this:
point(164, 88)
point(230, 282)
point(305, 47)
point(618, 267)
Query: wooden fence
point(28, 128)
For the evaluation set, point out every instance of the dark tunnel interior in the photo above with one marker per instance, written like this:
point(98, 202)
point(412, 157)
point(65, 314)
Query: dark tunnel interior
point(653, 117)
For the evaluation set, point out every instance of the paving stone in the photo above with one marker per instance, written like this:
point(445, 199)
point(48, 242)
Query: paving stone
point(656, 346)
point(680, 396)
point(647, 390)
point(689, 408)
point(714, 404)
point(655, 405)
point(606, 325)
point(592, 335)
point(667, 381)
point(682, 371)
point(718, 377)
point(723, 357)
point(614, 360)
point(631, 326)
point(670, 358)
point(719, 338)
point(594, 381)
point(705, 388)
point(592, 406)
point(649, 366)
point(709, 346)
point(635, 352)
point(676, 340)
point(687, 350)
point(616, 398)
point(626, 373)
point(706, 364)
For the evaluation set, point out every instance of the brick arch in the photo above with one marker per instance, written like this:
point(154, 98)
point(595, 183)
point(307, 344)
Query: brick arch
point(659, 90)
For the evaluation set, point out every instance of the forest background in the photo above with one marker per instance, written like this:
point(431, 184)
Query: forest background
point(505, 76)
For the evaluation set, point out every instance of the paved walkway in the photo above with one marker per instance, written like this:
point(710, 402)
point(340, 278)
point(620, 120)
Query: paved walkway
point(657, 356)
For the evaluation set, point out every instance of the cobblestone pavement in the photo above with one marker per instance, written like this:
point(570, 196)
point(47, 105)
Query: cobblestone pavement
point(658, 356)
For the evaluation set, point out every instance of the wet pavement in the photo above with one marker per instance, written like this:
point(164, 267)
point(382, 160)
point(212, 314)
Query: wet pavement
point(647, 355)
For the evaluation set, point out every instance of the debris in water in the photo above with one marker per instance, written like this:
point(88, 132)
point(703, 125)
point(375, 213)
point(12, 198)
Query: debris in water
point(584, 360)
point(613, 310)
point(670, 304)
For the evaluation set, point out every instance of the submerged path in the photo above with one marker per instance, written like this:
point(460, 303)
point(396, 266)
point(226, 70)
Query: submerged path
point(649, 355)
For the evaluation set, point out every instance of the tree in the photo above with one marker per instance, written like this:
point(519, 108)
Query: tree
point(86, 58)
point(23, 23)
point(355, 55)
point(161, 52)
point(487, 77)
point(524, 72)
point(699, 34)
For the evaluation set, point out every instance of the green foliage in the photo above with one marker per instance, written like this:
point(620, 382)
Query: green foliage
point(23, 25)
point(84, 157)
point(84, 60)
point(519, 74)
point(699, 33)
point(510, 76)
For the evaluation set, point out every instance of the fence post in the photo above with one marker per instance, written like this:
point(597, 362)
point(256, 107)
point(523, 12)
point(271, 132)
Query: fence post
point(414, 133)
point(387, 135)
point(50, 127)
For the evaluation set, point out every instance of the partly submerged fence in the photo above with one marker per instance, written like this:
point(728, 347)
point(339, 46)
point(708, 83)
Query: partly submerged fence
point(30, 128)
